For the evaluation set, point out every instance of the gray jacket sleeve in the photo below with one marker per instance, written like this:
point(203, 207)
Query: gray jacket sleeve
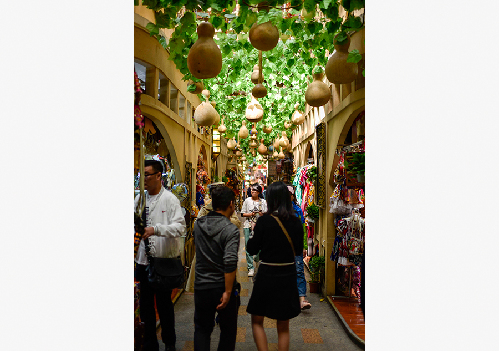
point(231, 249)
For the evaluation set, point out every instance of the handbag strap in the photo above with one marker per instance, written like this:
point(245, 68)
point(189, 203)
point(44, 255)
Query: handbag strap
point(285, 232)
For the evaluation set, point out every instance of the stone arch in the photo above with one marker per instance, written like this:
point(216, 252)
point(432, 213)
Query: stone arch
point(308, 149)
point(169, 145)
point(344, 132)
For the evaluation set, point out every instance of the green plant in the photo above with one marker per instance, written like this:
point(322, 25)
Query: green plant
point(312, 173)
point(313, 211)
point(225, 179)
point(305, 245)
point(317, 264)
point(356, 165)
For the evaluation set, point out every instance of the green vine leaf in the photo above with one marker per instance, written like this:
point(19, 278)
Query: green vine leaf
point(152, 28)
point(354, 56)
point(216, 21)
point(351, 5)
point(353, 23)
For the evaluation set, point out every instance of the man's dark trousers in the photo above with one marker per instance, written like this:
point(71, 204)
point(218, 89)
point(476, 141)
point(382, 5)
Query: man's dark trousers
point(148, 314)
point(205, 302)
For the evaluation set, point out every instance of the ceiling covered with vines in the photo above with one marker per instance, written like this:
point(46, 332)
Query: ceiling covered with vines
point(306, 33)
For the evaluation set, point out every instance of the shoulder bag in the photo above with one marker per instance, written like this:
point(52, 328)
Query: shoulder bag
point(286, 233)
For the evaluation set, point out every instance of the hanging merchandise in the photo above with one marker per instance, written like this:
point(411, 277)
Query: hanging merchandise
point(318, 92)
point(205, 58)
point(243, 131)
point(205, 114)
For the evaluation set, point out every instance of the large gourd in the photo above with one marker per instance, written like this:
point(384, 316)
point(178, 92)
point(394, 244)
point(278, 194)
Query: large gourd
point(243, 131)
point(217, 119)
point(204, 59)
point(264, 36)
point(318, 93)
point(284, 141)
point(231, 144)
point(205, 114)
point(222, 128)
point(338, 70)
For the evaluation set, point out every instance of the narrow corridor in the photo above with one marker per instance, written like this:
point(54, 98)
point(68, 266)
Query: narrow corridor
point(316, 329)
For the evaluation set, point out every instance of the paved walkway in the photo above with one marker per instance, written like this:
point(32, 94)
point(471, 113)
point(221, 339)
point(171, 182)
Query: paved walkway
point(316, 329)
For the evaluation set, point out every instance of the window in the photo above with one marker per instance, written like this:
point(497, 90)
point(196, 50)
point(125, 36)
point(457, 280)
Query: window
point(188, 111)
point(163, 83)
point(141, 70)
point(173, 98)
point(181, 105)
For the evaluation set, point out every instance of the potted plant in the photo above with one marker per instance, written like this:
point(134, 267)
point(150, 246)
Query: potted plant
point(316, 267)
point(356, 165)
point(312, 212)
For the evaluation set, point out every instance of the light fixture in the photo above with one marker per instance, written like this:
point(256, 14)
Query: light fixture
point(215, 144)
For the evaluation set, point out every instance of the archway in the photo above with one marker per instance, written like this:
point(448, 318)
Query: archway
point(309, 154)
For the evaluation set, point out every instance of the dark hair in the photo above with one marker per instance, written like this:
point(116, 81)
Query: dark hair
point(156, 165)
point(279, 199)
point(294, 194)
point(257, 187)
point(221, 196)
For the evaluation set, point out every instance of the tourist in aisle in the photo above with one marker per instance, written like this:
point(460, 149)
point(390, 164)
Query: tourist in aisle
point(253, 207)
point(302, 283)
point(278, 236)
point(215, 285)
point(164, 224)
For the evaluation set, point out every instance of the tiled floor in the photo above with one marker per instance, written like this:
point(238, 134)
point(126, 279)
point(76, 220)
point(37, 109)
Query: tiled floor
point(316, 329)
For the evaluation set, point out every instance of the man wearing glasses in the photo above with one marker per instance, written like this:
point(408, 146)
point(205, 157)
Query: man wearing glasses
point(164, 224)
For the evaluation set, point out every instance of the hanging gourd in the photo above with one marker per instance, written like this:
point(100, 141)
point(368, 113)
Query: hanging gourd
point(222, 128)
point(262, 149)
point(267, 129)
point(338, 70)
point(243, 131)
point(253, 144)
point(284, 140)
point(276, 143)
point(287, 124)
point(254, 111)
point(253, 130)
point(318, 93)
point(280, 155)
point(217, 120)
point(264, 36)
point(204, 59)
point(238, 153)
point(259, 89)
point(289, 147)
point(231, 144)
point(199, 87)
point(205, 114)
point(243, 158)
point(298, 117)
point(255, 75)
point(275, 155)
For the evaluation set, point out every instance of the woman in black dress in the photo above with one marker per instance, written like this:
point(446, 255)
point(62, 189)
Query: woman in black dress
point(275, 293)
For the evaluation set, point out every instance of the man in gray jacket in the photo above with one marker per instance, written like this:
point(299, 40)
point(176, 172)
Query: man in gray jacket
point(215, 285)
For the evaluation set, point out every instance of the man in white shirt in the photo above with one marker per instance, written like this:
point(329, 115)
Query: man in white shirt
point(253, 207)
point(165, 224)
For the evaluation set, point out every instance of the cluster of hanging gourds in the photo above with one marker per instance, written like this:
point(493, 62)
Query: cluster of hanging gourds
point(205, 61)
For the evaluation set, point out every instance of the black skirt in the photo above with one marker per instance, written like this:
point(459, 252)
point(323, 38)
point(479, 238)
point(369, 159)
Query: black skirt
point(275, 293)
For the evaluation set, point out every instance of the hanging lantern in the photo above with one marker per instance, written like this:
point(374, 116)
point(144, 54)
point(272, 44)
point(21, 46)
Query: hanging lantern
point(243, 131)
point(205, 114)
point(318, 93)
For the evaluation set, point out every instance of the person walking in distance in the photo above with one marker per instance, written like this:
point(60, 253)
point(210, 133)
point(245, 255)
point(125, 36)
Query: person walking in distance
point(164, 226)
point(253, 207)
point(215, 285)
point(278, 236)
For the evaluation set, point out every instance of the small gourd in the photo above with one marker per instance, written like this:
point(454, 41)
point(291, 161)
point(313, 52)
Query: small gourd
point(318, 93)
point(338, 70)
point(267, 129)
point(255, 74)
point(298, 117)
point(205, 114)
point(287, 124)
point(199, 87)
point(231, 144)
point(280, 155)
point(253, 130)
point(243, 158)
point(262, 149)
point(243, 131)
point(284, 140)
point(254, 111)
point(205, 59)
point(275, 154)
point(276, 143)
point(253, 144)
point(238, 153)
point(222, 128)
point(289, 148)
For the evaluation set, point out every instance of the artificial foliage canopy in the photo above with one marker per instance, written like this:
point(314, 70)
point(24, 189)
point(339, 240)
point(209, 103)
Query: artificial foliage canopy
point(307, 29)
